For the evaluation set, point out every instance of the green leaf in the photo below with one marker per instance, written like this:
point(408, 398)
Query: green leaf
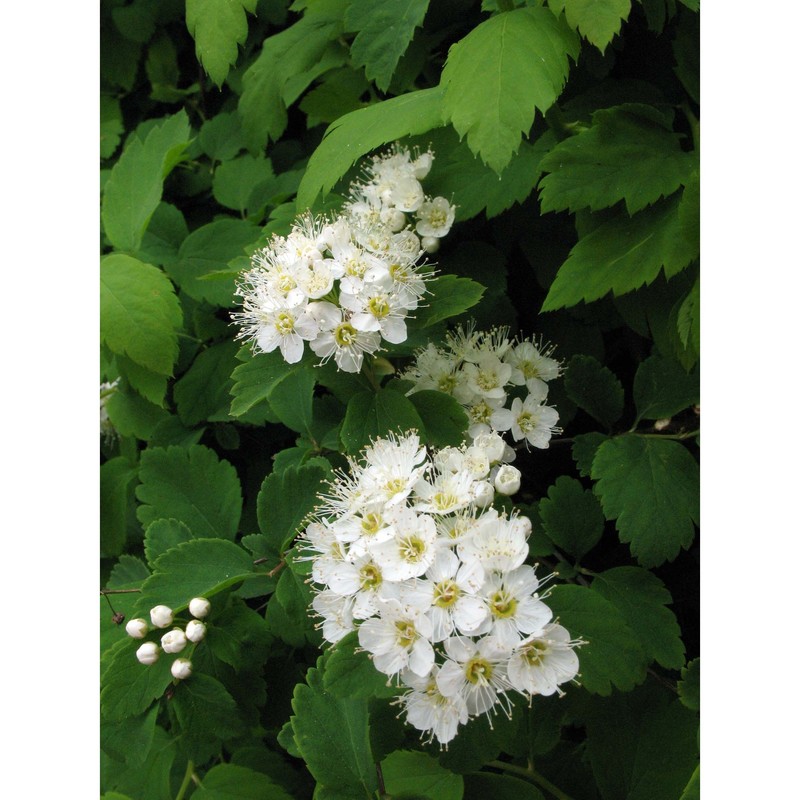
point(231, 782)
point(623, 156)
point(197, 568)
point(284, 501)
point(373, 414)
point(443, 417)
point(686, 50)
point(235, 180)
point(139, 312)
point(642, 745)
point(111, 125)
point(641, 599)
point(208, 250)
point(349, 672)
point(662, 388)
point(385, 29)
point(203, 393)
point(218, 27)
point(612, 655)
point(692, 790)
point(221, 136)
point(689, 685)
point(359, 132)
point(584, 449)
point(417, 774)
point(256, 378)
point(339, 93)
point(164, 234)
point(449, 296)
point(133, 191)
point(650, 487)
point(622, 254)
point(132, 415)
point(207, 715)
point(129, 687)
point(129, 572)
point(291, 399)
point(129, 740)
point(290, 53)
point(572, 517)
point(481, 740)
point(192, 485)
point(498, 75)
point(594, 388)
point(149, 385)
point(150, 778)
point(116, 476)
point(162, 535)
point(483, 785)
point(597, 21)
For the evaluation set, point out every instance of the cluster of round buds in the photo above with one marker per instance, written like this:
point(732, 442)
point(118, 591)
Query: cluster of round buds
point(174, 640)
point(346, 284)
point(407, 549)
point(107, 430)
point(486, 370)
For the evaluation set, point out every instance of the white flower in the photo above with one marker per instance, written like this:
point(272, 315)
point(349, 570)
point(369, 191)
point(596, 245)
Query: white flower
point(407, 194)
point(455, 604)
point(430, 244)
point(148, 653)
point(199, 607)
point(411, 550)
point(543, 661)
point(174, 641)
point(450, 491)
point(337, 614)
point(488, 376)
point(435, 218)
point(507, 480)
point(427, 709)
point(481, 415)
point(377, 307)
point(137, 628)
point(496, 542)
point(195, 631)
point(532, 365)
point(483, 494)
point(338, 338)
point(393, 468)
point(529, 420)
point(181, 669)
point(493, 445)
point(285, 327)
point(107, 430)
point(161, 616)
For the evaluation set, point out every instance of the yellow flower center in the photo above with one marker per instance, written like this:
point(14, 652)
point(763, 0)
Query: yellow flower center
point(534, 652)
point(378, 306)
point(445, 593)
point(371, 524)
point(478, 670)
point(345, 334)
point(284, 323)
point(412, 548)
point(502, 604)
point(526, 421)
point(370, 576)
point(406, 633)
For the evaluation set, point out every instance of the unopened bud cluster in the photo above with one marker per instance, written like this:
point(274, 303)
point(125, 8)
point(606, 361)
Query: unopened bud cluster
point(407, 549)
point(483, 371)
point(343, 285)
point(173, 641)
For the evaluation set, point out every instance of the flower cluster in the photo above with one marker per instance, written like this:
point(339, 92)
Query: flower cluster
point(407, 549)
point(343, 285)
point(483, 370)
point(175, 640)
point(107, 429)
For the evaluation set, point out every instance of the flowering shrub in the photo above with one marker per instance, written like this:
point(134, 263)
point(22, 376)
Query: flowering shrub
point(362, 533)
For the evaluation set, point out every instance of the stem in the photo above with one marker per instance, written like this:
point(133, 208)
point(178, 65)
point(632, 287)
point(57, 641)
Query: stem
point(687, 435)
point(531, 775)
point(273, 572)
point(104, 592)
point(187, 779)
point(381, 784)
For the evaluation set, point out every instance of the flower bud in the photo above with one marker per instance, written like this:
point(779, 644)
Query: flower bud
point(430, 244)
point(507, 480)
point(137, 628)
point(174, 641)
point(148, 653)
point(195, 630)
point(523, 524)
point(422, 165)
point(661, 424)
point(492, 444)
point(484, 493)
point(394, 219)
point(161, 616)
point(199, 607)
point(181, 668)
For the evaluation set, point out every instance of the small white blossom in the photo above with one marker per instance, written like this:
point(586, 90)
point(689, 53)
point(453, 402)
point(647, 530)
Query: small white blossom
point(543, 661)
point(528, 420)
point(435, 218)
point(195, 631)
point(148, 653)
point(161, 616)
point(507, 480)
point(137, 628)
point(181, 669)
point(199, 607)
point(174, 641)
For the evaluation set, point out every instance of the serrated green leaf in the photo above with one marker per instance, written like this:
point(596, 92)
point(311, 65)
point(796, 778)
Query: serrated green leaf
point(221, 136)
point(572, 517)
point(151, 778)
point(407, 772)
point(349, 672)
point(650, 487)
point(284, 501)
point(165, 232)
point(192, 485)
point(622, 254)
point(339, 93)
point(129, 571)
point(622, 156)
point(689, 318)
point(207, 250)
point(256, 378)
point(594, 388)
point(599, 22)
point(332, 735)
point(197, 568)
point(162, 535)
point(373, 414)
point(291, 399)
point(692, 790)
point(231, 782)
point(500, 74)
point(355, 134)
point(689, 685)
point(662, 388)
point(686, 49)
point(150, 385)
point(129, 687)
point(481, 740)
point(443, 417)
point(139, 312)
point(641, 599)
point(129, 740)
point(116, 476)
point(612, 655)
point(483, 785)
point(133, 190)
point(449, 296)
point(218, 28)
point(132, 415)
point(385, 29)
point(292, 52)
point(235, 180)
point(111, 125)
point(203, 393)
